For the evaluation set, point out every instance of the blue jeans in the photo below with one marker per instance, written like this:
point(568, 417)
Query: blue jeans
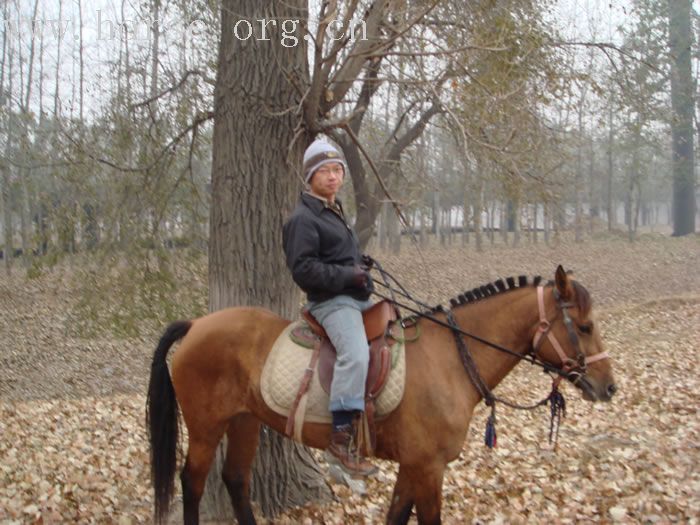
point(341, 318)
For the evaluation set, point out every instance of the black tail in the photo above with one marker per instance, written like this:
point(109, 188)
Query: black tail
point(162, 421)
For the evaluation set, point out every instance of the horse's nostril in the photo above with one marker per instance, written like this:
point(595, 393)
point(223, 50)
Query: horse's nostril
point(612, 389)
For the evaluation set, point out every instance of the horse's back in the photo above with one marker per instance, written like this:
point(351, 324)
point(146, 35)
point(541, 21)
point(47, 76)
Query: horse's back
point(239, 336)
point(237, 320)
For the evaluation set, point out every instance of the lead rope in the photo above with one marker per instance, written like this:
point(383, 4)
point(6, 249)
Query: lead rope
point(555, 397)
point(482, 388)
point(557, 412)
point(373, 263)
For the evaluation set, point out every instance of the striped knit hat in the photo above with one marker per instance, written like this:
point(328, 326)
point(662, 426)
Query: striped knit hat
point(319, 153)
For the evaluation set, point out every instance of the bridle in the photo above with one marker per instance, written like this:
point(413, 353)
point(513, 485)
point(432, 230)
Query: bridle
point(575, 368)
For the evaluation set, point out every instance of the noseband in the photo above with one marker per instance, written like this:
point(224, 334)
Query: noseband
point(575, 368)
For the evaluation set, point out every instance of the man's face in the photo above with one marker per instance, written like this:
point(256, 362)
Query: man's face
point(327, 180)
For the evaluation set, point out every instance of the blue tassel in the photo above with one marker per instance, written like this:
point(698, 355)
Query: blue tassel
point(490, 435)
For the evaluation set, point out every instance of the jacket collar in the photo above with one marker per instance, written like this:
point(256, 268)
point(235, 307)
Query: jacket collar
point(317, 204)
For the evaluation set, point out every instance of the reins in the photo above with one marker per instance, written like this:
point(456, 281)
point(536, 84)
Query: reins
point(571, 369)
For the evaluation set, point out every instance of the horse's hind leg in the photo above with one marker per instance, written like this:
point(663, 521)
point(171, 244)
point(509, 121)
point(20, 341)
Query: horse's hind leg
point(200, 453)
point(401, 500)
point(242, 433)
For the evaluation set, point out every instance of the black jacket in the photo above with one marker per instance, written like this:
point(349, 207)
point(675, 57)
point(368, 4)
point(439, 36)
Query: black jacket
point(321, 250)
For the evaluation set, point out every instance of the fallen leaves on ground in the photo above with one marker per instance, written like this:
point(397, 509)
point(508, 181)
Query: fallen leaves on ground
point(635, 459)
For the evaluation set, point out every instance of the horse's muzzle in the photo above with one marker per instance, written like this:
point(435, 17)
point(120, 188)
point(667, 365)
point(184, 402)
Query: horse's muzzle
point(593, 391)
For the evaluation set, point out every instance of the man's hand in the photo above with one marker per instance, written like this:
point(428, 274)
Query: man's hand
point(361, 279)
point(367, 261)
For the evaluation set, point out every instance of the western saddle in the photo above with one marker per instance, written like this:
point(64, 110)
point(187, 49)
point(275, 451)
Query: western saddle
point(377, 321)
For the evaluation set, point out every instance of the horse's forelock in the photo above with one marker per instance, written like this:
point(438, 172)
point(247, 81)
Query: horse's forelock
point(583, 298)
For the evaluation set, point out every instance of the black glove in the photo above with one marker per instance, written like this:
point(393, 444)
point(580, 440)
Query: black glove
point(367, 261)
point(361, 279)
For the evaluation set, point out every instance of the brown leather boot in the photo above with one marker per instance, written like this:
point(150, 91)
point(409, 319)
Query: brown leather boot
point(343, 452)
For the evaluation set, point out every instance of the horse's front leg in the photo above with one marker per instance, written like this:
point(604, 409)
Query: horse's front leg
point(401, 499)
point(427, 494)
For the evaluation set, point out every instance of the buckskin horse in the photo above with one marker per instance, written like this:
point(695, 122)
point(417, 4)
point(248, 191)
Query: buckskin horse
point(215, 379)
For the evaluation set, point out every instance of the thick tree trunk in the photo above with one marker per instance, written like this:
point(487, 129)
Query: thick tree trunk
point(255, 179)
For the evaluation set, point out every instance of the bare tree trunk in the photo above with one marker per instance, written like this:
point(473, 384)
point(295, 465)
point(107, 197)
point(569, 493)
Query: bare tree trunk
point(439, 218)
point(383, 229)
point(593, 191)
point(465, 216)
point(80, 57)
point(631, 209)
point(448, 225)
point(637, 206)
point(422, 235)
point(478, 207)
point(516, 223)
point(25, 221)
point(41, 80)
point(628, 210)
point(559, 220)
point(255, 157)
point(394, 231)
point(8, 245)
point(58, 61)
point(534, 223)
point(505, 221)
point(501, 224)
point(487, 208)
point(25, 172)
point(578, 179)
point(610, 168)
point(682, 93)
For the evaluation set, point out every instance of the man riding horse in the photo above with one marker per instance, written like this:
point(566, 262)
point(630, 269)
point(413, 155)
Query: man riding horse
point(323, 254)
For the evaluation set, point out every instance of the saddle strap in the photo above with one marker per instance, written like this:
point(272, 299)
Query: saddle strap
point(303, 390)
point(385, 365)
point(367, 440)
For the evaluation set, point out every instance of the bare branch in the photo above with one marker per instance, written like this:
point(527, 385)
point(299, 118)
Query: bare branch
point(199, 120)
point(605, 46)
point(169, 90)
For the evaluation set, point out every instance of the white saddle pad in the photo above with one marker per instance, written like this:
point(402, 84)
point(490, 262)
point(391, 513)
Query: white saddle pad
point(284, 370)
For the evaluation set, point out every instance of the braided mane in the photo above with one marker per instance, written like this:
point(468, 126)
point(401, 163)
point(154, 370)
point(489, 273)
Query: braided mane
point(583, 298)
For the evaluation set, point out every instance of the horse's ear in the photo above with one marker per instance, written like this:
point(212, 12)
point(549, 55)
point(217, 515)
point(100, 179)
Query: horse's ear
point(563, 284)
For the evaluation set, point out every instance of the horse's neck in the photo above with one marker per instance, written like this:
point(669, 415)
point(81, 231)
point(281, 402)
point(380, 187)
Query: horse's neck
point(507, 319)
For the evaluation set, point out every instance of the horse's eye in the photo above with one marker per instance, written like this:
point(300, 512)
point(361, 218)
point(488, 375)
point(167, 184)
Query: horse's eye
point(586, 328)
